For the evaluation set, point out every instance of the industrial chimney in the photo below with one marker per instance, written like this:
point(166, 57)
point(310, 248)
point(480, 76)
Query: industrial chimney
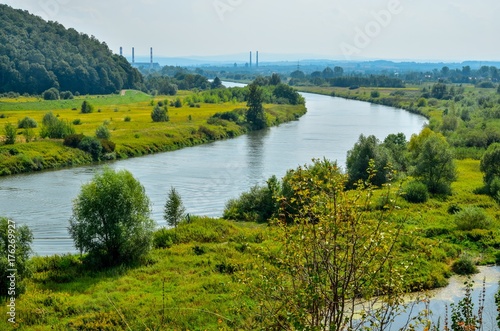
point(151, 55)
point(133, 55)
point(257, 60)
point(250, 59)
point(121, 51)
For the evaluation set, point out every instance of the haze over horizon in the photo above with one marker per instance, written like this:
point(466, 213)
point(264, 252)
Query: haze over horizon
point(450, 30)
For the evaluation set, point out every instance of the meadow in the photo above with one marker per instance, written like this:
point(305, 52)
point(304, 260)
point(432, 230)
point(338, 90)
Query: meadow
point(128, 118)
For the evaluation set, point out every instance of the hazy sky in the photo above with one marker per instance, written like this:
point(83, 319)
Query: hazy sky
point(335, 29)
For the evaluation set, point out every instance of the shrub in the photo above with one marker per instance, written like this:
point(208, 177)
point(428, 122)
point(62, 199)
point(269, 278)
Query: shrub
point(472, 218)
point(464, 266)
point(164, 238)
point(102, 132)
point(10, 134)
point(92, 146)
point(77, 121)
point(27, 123)
point(55, 128)
point(257, 205)
point(67, 95)
point(86, 108)
point(178, 103)
point(375, 94)
point(73, 140)
point(108, 146)
point(127, 119)
point(51, 94)
point(159, 114)
point(416, 192)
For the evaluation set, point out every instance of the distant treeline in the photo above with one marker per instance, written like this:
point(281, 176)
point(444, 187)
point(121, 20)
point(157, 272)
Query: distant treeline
point(36, 55)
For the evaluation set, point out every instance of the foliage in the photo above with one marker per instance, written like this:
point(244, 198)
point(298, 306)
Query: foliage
point(27, 123)
point(375, 94)
point(73, 140)
point(366, 150)
point(416, 192)
point(159, 114)
point(257, 205)
point(102, 132)
point(432, 161)
point(470, 218)
point(464, 266)
point(51, 94)
point(37, 56)
point(55, 128)
point(111, 220)
point(490, 163)
point(463, 316)
point(255, 115)
point(15, 247)
point(333, 258)
point(10, 134)
point(86, 107)
point(174, 210)
point(92, 146)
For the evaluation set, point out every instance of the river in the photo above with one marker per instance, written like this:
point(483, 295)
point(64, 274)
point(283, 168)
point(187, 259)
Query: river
point(208, 175)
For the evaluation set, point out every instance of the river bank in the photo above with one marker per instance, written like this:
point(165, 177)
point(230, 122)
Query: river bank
point(130, 126)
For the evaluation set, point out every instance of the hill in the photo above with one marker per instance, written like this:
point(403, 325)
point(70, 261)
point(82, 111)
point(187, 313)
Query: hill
point(36, 55)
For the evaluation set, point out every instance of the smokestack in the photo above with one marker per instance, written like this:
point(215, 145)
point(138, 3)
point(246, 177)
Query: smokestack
point(151, 55)
point(133, 55)
point(121, 51)
point(250, 59)
point(257, 60)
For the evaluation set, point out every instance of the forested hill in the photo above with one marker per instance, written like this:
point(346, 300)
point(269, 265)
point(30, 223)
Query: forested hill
point(36, 55)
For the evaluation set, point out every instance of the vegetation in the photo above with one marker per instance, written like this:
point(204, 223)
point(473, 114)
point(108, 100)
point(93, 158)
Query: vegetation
point(44, 57)
point(111, 220)
point(174, 210)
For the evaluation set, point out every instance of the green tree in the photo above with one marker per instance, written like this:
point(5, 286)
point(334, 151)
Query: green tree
point(359, 157)
point(10, 134)
point(51, 94)
point(174, 209)
point(159, 114)
point(490, 166)
point(255, 114)
point(432, 161)
point(27, 123)
point(111, 220)
point(336, 256)
point(53, 127)
point(15, 240)
point(217, 83)
point(86, 108)
point(275, 79)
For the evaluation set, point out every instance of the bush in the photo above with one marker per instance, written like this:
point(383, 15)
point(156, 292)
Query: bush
point(416, 192)
point(73, 140)
point(108, 146)
point(10, 134)
point(464, 266)
point(27, 123)
point(77, 121)
point(67, 95)
point(375, 94)
point(164, 238)
point(257, 205)
point(159, 114)
point(51, 94)
point(127, 119)
point(472, 218)
point(102, 132)
point(86, 108)
point(92, 146)
point(55, 128)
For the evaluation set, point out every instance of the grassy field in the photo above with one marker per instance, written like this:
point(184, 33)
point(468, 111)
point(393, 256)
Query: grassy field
point(128, 118)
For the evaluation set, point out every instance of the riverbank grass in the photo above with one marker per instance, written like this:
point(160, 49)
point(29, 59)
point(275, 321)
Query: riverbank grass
point(128, 118)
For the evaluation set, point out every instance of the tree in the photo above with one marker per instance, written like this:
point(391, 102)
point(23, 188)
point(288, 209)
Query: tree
point(15, 247)
point(327, 73)
point(336, 268)
point(255, 114)
point(10, 134)
point(174, 209)
point(111, 220)
point(490, 166)
point(86, 108)
point(432, 161)
point(27, 123)
point(217, 83)
point(159, 114)
point(359, 159)
point(338, 71)
point(275, 79)
point(51, 94)
point(53, 127)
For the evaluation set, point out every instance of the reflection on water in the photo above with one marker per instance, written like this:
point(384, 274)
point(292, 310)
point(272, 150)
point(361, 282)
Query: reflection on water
point(208, 175)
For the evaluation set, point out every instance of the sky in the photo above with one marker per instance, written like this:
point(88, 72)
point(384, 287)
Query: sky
point(417, 30)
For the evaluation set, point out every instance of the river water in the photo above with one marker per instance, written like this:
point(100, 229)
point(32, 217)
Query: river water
point(208, 175)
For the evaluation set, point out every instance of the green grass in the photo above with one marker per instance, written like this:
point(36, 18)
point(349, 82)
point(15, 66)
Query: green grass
point(136, 136)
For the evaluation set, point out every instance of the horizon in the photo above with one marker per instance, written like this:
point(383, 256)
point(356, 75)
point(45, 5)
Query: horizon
point(454, 31)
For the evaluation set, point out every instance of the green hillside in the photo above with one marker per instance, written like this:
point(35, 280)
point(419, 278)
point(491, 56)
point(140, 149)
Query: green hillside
point(36, 55)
